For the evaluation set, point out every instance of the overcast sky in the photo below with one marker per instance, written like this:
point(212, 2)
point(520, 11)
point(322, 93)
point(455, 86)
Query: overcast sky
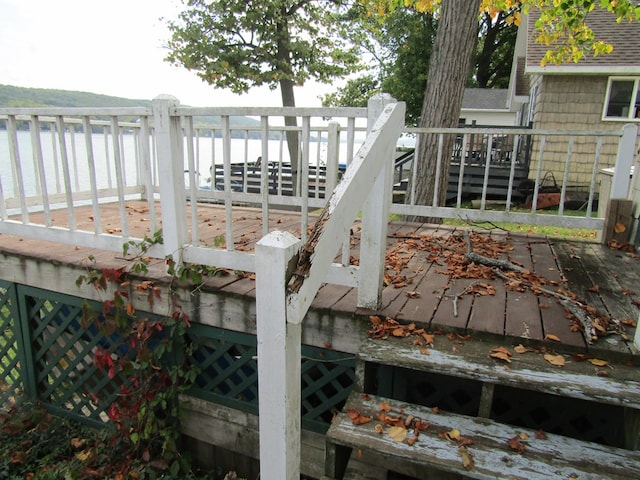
point(112, 47)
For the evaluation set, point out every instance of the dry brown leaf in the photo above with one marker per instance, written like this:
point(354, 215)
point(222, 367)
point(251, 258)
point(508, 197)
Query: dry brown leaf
point(425, 351)
point(520, 349)
point(379, 428)
point(397, 433)
point(540, 435)
point(384, 407)
point(501, 356)
point(467, 459)
point(523, 436)
point(597, 362)
point(594, 289)
point(501, 350)
point(514, 444)
point(429, 338)
point(557, 360)
point(398, 332)
point(552, 337)
point(620, 227)
point(361, 420)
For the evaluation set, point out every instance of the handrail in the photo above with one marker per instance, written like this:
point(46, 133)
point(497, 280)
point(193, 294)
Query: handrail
point(288, 276)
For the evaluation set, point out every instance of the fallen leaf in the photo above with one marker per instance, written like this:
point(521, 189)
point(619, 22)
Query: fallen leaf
point(520, 349)
point(514, 444)
point(398, 332)
point(523, 436)
point(501, 356)
point(411, 440)
point(594, 289)
point(384, 407)
point(425, 351)
point(467, 459)
point(78, 442)
point(397, 433)
point(428, 338)
point(453, 435)
point(361, 420)
point(84, 455)
point(412, 294)
point(597, 362)
point(620, 227)
point(540, 435)
point(557, 360)
point(553, 338)
point(379, 428)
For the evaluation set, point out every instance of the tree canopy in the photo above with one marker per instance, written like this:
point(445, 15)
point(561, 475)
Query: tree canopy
point(239, 44)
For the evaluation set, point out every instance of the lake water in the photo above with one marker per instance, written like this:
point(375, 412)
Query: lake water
point(207, 151)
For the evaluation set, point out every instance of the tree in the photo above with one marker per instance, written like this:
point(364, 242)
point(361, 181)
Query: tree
point(562, 26)
point(401, 46)
point(239, 44)
point(497, 44)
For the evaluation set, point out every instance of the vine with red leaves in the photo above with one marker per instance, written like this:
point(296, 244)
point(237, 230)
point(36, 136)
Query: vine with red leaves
point(145, 358)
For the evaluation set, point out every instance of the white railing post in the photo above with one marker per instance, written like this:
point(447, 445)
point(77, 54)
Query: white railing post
point(279, 351)
point(375, 212)
point(624, 160)
point(170, 173)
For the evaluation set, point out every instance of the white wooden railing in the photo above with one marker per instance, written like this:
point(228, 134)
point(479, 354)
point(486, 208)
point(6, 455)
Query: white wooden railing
point(289, 273)
point(580, 157)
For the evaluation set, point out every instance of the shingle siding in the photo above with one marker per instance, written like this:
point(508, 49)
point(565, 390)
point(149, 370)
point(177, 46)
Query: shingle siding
point(572, 103)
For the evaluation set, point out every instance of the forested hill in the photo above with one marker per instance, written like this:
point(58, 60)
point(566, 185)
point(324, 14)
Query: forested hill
point(11, 96)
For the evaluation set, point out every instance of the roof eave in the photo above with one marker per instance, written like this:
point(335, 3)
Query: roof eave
point(583, 70)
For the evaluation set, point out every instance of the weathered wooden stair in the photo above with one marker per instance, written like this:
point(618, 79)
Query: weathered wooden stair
point(523, 419)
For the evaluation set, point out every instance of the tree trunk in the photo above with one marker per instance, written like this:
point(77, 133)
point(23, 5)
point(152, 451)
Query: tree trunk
point(293, 138)
point(286, 91)
point(449, 68)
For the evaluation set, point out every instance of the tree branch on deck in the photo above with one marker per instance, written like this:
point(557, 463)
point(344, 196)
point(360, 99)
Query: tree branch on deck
point(588, 317)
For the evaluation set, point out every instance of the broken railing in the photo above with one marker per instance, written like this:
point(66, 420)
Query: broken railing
point(289, 273)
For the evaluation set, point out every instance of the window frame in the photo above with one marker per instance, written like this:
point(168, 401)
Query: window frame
point(635, 100)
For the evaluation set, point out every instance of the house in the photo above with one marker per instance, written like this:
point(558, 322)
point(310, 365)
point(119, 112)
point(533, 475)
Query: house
point(595, 93)
point(488, 107)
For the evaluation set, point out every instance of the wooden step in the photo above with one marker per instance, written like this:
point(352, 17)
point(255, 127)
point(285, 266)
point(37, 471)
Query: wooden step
point(529, 371)
point(604, 409)
point(553, 456)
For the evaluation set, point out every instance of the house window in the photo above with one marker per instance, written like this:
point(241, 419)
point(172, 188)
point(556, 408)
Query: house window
point(623, 99)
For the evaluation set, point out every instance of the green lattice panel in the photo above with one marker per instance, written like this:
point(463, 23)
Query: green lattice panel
point(11, 384)
point(229, 375)
point(65, 377)
point(327, 381)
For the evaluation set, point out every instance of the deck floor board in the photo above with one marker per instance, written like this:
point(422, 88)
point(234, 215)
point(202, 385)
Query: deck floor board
point(518, 316)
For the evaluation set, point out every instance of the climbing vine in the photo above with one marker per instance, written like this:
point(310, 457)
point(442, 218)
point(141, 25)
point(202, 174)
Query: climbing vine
point(146, 357)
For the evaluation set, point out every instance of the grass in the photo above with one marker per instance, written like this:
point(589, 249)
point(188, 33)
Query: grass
point(549, 231)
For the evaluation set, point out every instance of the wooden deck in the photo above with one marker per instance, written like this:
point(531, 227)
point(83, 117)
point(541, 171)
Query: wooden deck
point(429, 281)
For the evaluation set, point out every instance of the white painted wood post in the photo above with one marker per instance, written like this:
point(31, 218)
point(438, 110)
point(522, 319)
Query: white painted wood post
point(375, 212)
point(279, 351)
point(624, 160)
point(170, 173)
point(333, 158)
